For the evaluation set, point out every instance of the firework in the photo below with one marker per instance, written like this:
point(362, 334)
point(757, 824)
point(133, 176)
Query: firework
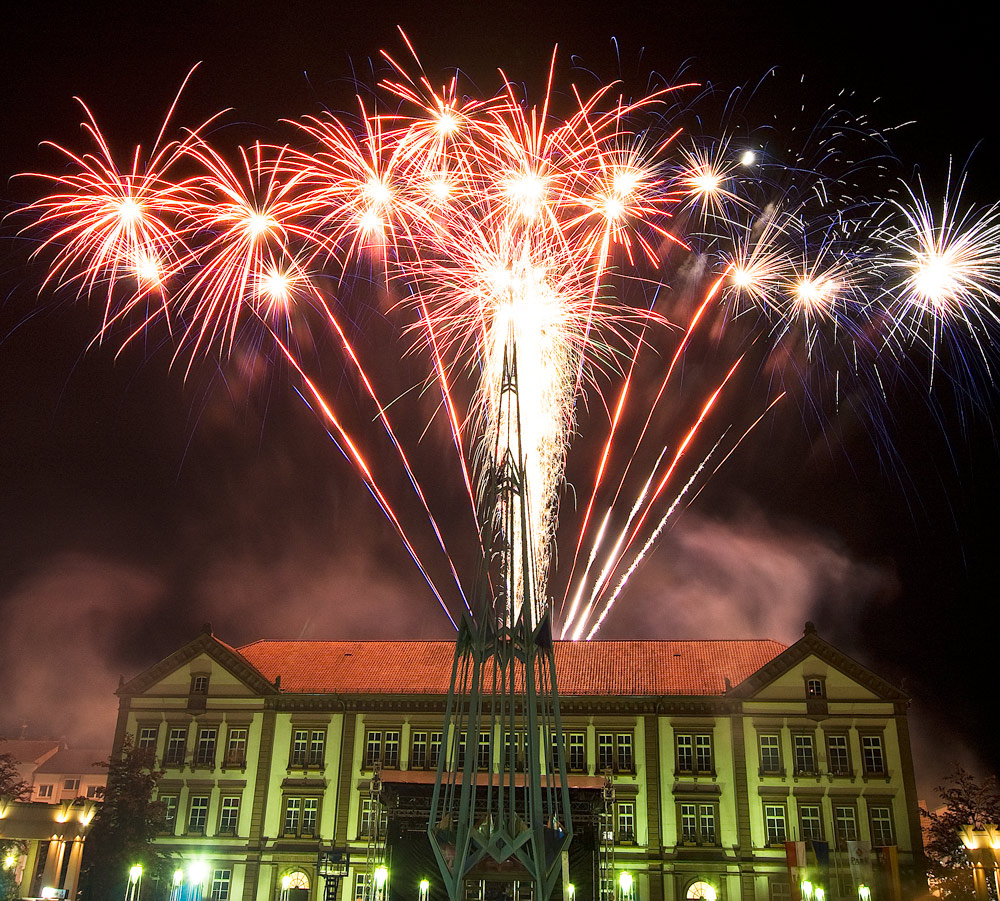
point(514, 235)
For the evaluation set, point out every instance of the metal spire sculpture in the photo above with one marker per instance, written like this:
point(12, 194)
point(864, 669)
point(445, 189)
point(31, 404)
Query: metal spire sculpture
point(501, 799)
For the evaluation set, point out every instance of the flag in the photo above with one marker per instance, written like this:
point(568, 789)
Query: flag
point(795, 856)
point(860, 856)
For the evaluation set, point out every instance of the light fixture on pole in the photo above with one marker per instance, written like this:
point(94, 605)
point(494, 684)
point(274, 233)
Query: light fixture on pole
point(381, 878)
point(134, 881)
point(625, 883)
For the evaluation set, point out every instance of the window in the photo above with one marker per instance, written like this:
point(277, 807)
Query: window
point(694, 754)
point(300, 743)
point(484, 757)
point(425, 750)
point(815, 688)
point(369, 806)
point(381, 748)
point(513, 755)
point(697, 823)
point(169, 813)
point(362, 887)
point(229, 815)
point(390, 750)
point(779, 890)
point(198, 814)
point(873, 755)
point(95, 791)
point(45, 791)
point(706, 823)
point(147, 738)
point(176, 746)
point(199, 685)
point(838, 757)
point(701, 891)
point(775, 824)
point(236, 747)
point(770, 755)
point(623, 742)
point(301, 816)
point(880, 818)
point(310, 816)
point(71, 785)
point(204, 755)
point(625, 815)
point(810, 822)
point(221, 880)
point(317, 748)
point(614, 752)
point(575, 749)
point(418, 750)
point(845, 819)
point(805, 754)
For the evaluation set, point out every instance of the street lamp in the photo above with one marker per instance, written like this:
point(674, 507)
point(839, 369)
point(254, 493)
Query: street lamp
point(381, 878)
point(807, 890)
point(625, 885)
point(197, 874)
point(864, 893)
point(134, 880)
point(425, 888)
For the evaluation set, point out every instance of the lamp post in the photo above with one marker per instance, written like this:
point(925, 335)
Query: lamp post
point(197, 874)
point(864, 893)
point(177, 886)
point(625, 883)
point(134, 881)
point(381, 879)
point(425, 888)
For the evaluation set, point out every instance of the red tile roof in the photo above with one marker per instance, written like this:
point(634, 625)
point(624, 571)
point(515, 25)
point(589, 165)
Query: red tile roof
point(617, 668)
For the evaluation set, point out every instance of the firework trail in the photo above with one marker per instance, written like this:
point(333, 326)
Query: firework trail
point(512, 232)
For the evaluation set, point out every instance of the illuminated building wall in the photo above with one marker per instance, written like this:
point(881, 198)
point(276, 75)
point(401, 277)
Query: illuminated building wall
point(718, 751)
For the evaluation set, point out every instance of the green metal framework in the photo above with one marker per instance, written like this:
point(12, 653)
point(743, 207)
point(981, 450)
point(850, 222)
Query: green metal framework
point(504, 810)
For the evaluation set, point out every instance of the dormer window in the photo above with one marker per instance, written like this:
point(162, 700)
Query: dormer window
point(199, 685)
point(815, 687)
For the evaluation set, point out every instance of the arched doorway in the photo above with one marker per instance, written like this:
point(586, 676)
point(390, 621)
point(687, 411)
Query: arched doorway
point(294, 886)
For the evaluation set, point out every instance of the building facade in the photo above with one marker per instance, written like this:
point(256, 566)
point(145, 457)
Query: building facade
point(691, 764)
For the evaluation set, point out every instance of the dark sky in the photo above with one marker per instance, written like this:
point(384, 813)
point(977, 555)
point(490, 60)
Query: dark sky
point(135, 503)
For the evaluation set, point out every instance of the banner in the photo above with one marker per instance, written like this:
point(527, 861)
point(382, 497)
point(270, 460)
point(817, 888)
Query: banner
point(860, 856)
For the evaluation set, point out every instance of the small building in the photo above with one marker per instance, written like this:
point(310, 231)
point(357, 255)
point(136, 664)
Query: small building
point(69, 774)
point(695, 767)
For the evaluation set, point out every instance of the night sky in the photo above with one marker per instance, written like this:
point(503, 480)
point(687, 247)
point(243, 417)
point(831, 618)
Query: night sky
point(137, 503)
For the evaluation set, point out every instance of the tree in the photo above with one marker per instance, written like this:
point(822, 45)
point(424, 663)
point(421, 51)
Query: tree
point(123, 829)
point(967, 802)
point(12, 788)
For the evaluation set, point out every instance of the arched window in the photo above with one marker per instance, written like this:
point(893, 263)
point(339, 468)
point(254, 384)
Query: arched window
point(701, 890)
point(298, 879)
